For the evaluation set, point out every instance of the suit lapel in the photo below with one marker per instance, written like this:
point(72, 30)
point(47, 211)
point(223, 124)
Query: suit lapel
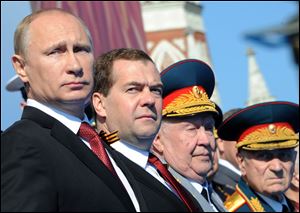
point(130, 177)
point(186, 183)
point(217, 202)
point(147, 179)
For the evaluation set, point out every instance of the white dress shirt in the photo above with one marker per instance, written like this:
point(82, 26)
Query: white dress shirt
point(204, 186)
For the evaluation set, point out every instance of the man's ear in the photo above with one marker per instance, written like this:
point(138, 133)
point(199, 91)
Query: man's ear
point(19, 66)
point(241, 161)
point(98, 101)
point(220, 144)
point(157, 145)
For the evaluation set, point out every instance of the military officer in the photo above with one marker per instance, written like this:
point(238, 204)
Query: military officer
point(266, 138)
point(185, 140)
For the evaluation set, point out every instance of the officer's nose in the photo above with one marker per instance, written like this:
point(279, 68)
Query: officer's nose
point(203, 138)
point(276, 166)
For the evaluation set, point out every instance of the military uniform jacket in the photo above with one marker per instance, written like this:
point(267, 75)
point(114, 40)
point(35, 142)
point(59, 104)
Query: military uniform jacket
point(244, 199)
point(46, 167)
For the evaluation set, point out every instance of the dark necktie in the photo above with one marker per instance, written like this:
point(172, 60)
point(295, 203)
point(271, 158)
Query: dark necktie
point(285, 208)
point(205, 194)
point(184, 196)
point(91, 136)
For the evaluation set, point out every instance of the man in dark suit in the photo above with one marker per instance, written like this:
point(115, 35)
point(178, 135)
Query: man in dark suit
point(185, 140)
point(45, 165)
point(265, 135)
point(127, 97)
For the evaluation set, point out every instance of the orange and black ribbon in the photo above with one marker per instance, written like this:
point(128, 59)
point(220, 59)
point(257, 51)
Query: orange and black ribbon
point(109, 138)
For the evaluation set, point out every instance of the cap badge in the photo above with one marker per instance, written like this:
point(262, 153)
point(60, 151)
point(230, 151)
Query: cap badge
point(196, 92)
point(272, 128)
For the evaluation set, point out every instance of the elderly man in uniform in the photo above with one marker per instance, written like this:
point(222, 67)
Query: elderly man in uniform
point(186, 136)
point(266, 138)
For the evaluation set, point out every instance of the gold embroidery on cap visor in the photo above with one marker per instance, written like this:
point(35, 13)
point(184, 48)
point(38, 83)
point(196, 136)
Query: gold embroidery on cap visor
point(195, 101)
point(268, 138)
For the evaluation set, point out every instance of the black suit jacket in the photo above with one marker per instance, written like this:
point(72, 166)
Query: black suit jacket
point(152, 195)
point(46, 167)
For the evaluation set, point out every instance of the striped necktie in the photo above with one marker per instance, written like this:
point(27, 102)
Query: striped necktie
point(91, 136)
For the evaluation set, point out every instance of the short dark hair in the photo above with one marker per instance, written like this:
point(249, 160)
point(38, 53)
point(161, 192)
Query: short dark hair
point(103, 66)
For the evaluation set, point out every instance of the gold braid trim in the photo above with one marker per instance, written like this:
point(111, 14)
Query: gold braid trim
point(194, 102)
point(234, 201)
point(275, 145)
point(263, 138)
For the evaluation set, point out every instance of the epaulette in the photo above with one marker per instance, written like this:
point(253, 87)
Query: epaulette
point(109, 138)
point(234, 202)
point(253, 202)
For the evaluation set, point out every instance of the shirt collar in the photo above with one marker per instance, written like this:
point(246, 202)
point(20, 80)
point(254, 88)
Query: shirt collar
point(199, 186)
point(70, 121)
point(276, 205)
point(134, 154)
